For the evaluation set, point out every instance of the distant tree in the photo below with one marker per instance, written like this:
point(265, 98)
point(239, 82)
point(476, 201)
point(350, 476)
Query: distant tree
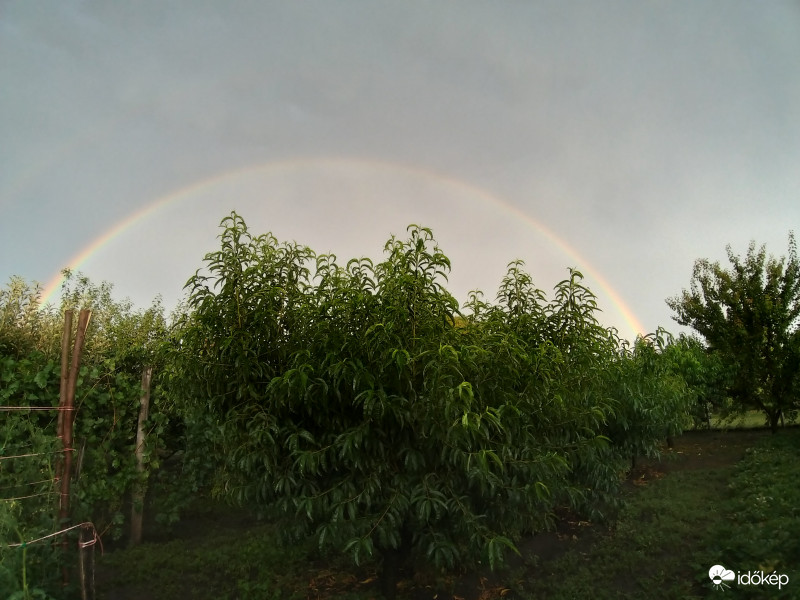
point(749, 316)
point(705, 378)
point(24, 325)
point(653, 400)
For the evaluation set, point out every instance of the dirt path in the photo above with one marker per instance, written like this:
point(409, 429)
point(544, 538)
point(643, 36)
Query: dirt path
point(706, 450)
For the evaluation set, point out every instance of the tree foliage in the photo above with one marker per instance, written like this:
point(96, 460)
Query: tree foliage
point(749, 315)
point(653, 396)
point(705, 377)
point(120, 340)
point(358, 399)
point(24, 326)
point(366, 405)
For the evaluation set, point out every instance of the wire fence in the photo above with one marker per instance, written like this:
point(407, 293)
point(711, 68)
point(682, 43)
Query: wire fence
point(85, 525)
point(17, 447)
point(38, 454)
point(59, 408)
point(52, 482)
point(53, 485)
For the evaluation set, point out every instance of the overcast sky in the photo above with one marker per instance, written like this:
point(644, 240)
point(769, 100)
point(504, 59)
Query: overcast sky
point(626, 139)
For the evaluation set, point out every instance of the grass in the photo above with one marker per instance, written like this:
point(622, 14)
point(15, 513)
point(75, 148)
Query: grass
point(752, 419)
point(761, 528)
point(645, 554)
point(745, 517)
point(241, 559)
point(703, 507)
point(213, 566)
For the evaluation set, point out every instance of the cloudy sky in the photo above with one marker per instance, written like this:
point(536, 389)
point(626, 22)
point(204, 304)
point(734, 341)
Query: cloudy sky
point(626, 138)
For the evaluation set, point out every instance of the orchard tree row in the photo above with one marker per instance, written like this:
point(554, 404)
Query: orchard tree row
point(362, 402)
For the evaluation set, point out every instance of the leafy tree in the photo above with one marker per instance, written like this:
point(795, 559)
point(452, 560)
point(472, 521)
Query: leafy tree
point(24, 324)
point(652, 397)
point(749, 316)
point(28, 454)
point(381, 419)
point(565, 383)
point(129, 337)
point(705, 378)
point(28, 447)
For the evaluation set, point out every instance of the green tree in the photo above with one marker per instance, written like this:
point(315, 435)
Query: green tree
point(705, 378)
point(350, 399)
point(568, 355)
point(24, 324)
point(120, 340)
point(749, 316)
point(652, 398)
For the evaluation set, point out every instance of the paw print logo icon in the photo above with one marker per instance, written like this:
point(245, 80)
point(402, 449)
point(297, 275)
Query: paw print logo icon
point(719, 575)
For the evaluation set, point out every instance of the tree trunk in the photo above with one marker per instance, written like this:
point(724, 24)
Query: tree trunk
point(394, 561)
point(390, 573)
point(774, 420)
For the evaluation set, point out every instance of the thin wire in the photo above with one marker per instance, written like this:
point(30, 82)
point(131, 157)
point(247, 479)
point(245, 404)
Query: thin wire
point(31, 496)
point(96, 538)
point(37, 454)
point(8, 487)
point(10, 408)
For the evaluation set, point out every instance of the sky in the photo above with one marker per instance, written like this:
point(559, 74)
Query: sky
point(626, 139)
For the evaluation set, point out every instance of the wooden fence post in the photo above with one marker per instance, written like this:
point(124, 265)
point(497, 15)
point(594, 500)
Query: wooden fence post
point(68, 410)
point(66, 413)
point(66, 336)
point(140, 487)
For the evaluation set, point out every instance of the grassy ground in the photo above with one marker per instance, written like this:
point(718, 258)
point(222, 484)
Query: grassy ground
point(727, 498)
point(753, 419)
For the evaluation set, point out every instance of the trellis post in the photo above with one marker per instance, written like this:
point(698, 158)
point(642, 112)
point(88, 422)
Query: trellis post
point(140, 488)
point(66, 413)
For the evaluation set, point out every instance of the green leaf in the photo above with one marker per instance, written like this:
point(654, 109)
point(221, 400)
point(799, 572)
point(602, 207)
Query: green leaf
point(41, 378)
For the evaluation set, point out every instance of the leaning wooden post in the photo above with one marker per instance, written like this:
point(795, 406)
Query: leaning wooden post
point(66, 336)
point(140, 487)
point(68, 411)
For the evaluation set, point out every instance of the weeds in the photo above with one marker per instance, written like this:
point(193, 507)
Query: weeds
point(761, 528)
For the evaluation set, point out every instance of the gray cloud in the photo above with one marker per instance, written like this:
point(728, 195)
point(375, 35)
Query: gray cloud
point(643, 135)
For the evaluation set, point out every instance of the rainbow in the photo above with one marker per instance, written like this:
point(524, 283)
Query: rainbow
point(497, 203)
